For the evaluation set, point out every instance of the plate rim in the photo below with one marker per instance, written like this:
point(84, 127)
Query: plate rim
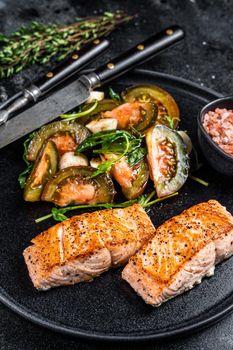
point(183, 330)
point(9, 302)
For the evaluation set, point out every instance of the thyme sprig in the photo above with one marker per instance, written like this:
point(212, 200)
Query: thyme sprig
point(39, 43)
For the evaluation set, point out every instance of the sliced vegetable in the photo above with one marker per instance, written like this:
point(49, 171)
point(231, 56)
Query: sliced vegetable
point(102, 125)
point(22, 178)
point(44, 168)
point(168, 159)
point(138, 115)
point(64, 142)
point(76, 185)
point(102, 106)
point(132, 179)
point(70, 159)
point(113, 144)
point(111, 141)
point(71, 131)
point(95, 162)
point(185, 137)
point(168, 111)
point(95, 96)
point(136, 155)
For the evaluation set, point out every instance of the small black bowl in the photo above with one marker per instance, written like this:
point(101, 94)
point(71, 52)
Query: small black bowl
point(216, 157)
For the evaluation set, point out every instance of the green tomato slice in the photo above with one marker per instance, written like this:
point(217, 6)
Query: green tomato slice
point(44, 168)
point(76, 185)
point(168, 159)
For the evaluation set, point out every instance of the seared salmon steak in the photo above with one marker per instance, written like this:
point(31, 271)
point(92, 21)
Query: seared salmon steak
point(183, 250)
point(84, 246)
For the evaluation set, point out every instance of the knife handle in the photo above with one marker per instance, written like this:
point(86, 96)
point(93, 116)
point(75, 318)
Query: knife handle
point(139, 54)
point(67, 69)
point(63, 71)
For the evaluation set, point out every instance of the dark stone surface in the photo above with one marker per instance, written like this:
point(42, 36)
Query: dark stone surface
point(205, 57)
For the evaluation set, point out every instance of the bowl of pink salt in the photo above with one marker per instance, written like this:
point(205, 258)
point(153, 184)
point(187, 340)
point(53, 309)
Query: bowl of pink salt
point(215, 134)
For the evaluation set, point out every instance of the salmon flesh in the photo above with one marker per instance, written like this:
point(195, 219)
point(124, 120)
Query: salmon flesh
point(183, 250)
point(85, 246)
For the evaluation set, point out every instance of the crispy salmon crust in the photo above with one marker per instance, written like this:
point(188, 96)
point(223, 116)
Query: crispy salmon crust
point(183, 250)
point(84, 246)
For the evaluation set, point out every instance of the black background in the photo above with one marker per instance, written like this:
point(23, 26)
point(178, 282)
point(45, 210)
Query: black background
point(205, 57)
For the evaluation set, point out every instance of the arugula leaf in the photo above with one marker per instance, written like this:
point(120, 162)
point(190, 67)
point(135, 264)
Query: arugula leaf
point(157, 200)
point(73, 116)
point(136, 155)
point(170, 121)
point(22, 178)
point(25, 146)
point(103, 168)
point(115, 141)
point(108, 14)
point(200, 181)
point(118, 142)
point(144, 199)
point(196, 166)
point(58, 214)
point(115, 96)
point(105, 139)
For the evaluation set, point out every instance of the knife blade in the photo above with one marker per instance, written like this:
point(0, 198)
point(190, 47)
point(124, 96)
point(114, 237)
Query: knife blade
point(78, 92)
point(52, 79)
point(43, 112)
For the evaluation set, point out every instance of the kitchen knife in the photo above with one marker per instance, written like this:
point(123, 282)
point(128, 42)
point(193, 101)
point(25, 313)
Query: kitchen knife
point(52, 79)
point(78, 92)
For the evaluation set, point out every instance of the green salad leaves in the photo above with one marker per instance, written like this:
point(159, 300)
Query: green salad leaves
point(58, 214)
point(22, 178)
point(114, 95)
point(119, 143)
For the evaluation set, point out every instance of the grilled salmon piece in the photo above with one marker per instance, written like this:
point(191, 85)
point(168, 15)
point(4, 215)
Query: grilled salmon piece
point(183, 250)
point(84, 246)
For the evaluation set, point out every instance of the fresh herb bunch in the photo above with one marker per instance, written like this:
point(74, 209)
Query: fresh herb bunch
point(120, 143)
point(39, 42)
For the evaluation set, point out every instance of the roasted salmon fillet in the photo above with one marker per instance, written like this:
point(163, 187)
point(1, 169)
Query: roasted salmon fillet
point(84, 246)
point(183, 250)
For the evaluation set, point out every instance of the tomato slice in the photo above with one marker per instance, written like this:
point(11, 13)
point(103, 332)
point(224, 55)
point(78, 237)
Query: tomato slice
point(60, 132)
point(168, 111)
point(168, 159)
point(64, 142)
point(140, 115)
point(136, 184)
point(76, 185)
point(44, 168)
point(132, 179)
